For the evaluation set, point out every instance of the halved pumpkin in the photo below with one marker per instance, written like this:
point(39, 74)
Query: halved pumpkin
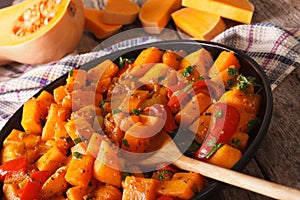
point(40, 31)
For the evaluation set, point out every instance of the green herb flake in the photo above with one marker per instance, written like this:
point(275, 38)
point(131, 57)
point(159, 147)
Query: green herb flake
point(162, 174)
point(123, 61)
point(136, 112)
point(125, 142)
point(244, 82)
point(76, 155)
point(252, 124)
point(71, 72)
point(101, 104)
point(232, 71)
point(115, 111)
point(187, 71)
point(42, 122)
point(219, 114)
point(125, 174)
point(77, 140)
point(215, 149)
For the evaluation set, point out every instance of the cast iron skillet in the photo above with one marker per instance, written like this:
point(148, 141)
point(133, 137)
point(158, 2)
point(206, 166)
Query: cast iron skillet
point(248, 68)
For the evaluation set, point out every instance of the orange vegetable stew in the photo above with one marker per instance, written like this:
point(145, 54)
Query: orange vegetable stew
point(81, 141)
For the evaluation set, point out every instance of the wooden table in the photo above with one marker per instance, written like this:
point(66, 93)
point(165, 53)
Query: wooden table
point(278, 157)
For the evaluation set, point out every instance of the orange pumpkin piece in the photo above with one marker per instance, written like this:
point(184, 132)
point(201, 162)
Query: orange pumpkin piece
point(201, 59)
point(207, 27)
point(94, 23)
point(150, 55)
point(237, 10)
point(239, 140)
point(106, 167)
point(120, 12)
point(171, 58)
point(193, 109)
point(79, 172)
point(225, 60)
point(56, 115)
point(155, 14)
point(107, 192)
point(40, 31)
point(137, 187)
point(31, 117)
point(227, 156)
point(183, 185)
point(51, 160)
point(241, 101)
point(16, 136)
point(226, 78)
point(105, 69)
point(77, 192)
point(45, 99)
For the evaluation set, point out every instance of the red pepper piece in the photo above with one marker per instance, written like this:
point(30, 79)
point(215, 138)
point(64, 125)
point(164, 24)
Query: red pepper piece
point(32, 189)
point(227, 119)
point(13, 166)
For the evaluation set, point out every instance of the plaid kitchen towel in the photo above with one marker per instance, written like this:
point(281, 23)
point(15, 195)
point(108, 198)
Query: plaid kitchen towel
point(277, 51)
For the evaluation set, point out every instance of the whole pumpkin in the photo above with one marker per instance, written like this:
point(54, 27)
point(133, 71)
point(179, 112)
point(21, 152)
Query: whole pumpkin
point(40, 31)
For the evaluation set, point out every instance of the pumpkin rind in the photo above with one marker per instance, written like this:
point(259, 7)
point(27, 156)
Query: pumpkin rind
point(48, 43)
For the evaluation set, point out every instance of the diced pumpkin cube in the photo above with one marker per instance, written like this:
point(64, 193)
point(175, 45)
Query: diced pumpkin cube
point(137, 187)
point(107, 192)
point(59, 94)
point(56, 184)
point(104, 70)
point(227, 156)
point(149, 55)
point(30, 140)
point(56, 115)
point(200, 58)
point(223, 61)
point(182, 185)
point(32, 116)
point(239, 140)
point(51, 160)
point(241, 101)
point(106, 166)
point(201, 125)
point(135, 139)
point(45, 99)
point(134, 101)
point(76, 80)
point(77, 192)
point(193, 109)
point(80, 168)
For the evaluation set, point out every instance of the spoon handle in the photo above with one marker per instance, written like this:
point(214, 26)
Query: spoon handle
point(238, 179)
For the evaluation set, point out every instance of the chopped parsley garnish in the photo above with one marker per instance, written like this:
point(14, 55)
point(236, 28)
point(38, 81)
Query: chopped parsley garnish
point(136, 112)
point(232, 71)
point(244, 82)
point(251, 124)
point(76, 155)
point(214, 149)
point(77, 140)
point(219, 114)
point(71, 73)
point(187, 71)
point(101, 104)
point(125, 142)
point(117, 110)
point(123, 61)
point(42, 122)
point(124, 174)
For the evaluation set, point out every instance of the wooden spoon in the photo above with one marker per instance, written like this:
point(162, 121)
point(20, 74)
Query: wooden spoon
point(168, 152)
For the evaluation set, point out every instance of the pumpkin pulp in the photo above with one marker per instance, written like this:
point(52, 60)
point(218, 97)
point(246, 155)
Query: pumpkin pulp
point(32, 26)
